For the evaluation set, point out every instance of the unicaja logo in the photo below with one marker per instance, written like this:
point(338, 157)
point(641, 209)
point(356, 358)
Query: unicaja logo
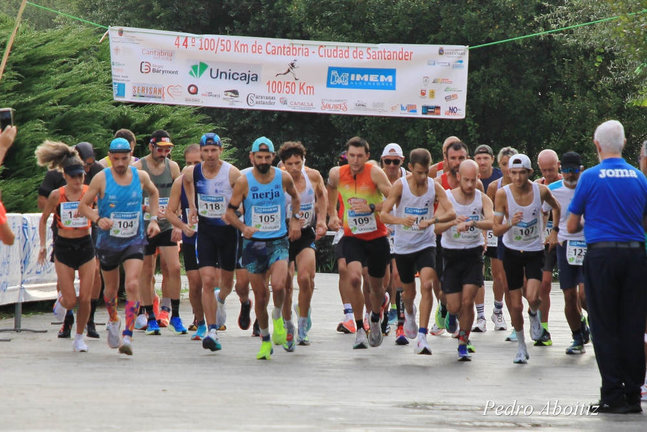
point(198, 69)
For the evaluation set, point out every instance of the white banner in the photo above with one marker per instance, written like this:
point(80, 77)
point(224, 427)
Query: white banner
point(38, 281)
point(10, 272)
point(421, 81)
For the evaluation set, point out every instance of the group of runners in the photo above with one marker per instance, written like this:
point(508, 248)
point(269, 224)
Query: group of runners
point(258, 225)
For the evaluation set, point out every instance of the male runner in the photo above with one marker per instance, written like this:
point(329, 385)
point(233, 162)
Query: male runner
point(121, 238)
point(261, 189)
point(520, 202)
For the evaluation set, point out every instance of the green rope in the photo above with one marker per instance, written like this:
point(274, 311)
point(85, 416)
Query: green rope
point(67, 15)
point(555, 30)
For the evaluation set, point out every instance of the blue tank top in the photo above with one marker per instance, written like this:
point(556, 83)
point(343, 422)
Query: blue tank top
point(184, 205)
point(265, 206)
point(212, 196)
point(122, 204)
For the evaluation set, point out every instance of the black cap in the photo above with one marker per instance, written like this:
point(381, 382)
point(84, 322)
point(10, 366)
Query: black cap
point(571, 159)
point(484, 148)
point(74, 169)
point(85, 150)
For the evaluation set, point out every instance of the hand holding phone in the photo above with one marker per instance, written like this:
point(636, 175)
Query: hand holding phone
point(6, 118)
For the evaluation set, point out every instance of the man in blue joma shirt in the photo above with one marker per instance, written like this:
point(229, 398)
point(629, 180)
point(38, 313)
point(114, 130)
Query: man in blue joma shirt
point(612, 199)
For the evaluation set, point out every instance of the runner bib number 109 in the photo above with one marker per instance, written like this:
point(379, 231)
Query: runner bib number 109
point(360, 222)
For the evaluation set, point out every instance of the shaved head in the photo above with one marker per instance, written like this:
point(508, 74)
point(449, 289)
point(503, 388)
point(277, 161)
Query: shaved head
point(468, 176)
point(547, 156)
point(548, 162)
point(468, 168)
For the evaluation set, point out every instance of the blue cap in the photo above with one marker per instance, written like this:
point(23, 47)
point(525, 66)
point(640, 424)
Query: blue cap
point(210, 139)
point(119, 145)
point(262, 141)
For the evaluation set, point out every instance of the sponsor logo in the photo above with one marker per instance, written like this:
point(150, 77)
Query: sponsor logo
point(301, 105)
point(148, 91)
point(283, 100)
point(119, 89)
point(146, 67)
point(192, 89)
point(174, 91)
point(254, 99)
point(210, 94)
point(409, 108)
point(458, 64)
point(360, 104)
point(617, 172)
point(241, 73)
point(336, 105)
point(436, 63)
point(453, 90)
point(453, 52)
point(198, 69)
point(442, 81)
point(231, 95)
point(158, 54)
point(453, 111)
point(430, 110)
point(116, 63)
point(451, 97)
point(441, 51)
point(361, 78)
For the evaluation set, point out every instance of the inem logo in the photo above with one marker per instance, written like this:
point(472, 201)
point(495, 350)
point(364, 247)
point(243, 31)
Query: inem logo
point(198, 69)
point(361, 78)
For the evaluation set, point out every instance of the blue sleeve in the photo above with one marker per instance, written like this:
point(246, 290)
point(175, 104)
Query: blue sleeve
point(577, 204)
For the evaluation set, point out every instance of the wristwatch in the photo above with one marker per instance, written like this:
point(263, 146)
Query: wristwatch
point(372, 207)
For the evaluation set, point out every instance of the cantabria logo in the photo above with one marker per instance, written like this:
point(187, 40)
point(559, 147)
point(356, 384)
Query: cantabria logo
point(198, 69)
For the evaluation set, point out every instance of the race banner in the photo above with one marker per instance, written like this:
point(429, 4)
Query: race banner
point(420, 81)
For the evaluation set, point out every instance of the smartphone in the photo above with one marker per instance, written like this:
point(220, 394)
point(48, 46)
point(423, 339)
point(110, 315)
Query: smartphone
point(6, 118)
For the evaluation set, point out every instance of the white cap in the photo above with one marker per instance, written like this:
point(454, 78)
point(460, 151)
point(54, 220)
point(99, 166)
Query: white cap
point(520, 161)
point(393, 149)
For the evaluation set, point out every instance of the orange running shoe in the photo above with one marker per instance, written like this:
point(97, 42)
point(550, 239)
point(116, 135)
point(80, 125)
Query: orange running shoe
point(346, 327)
point(163, 318)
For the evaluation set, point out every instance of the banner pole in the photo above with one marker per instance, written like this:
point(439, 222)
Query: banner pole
point(5, 57)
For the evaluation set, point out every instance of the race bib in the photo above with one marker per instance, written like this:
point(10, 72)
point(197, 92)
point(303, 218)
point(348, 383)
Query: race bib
point(419, 213)
point(266, 219)
point(306, 214)
point(212, 206)
point(547, 230)
point(124, 224)
point(575, 252)
point(470, 236)
point(492, 240)
point(67, 212)
point(194, 226)
point(360, 223)
point(163, 204)
point(525, 231)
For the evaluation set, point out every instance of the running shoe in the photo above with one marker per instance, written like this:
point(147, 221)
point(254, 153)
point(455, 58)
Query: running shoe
point(346, 327)
point(58, 309)
point(577, 347)
point(66, 329)
point(256, 329)
point(91, 330)
point(153, 328)
point(470, 347)
point(141, 322)
point(266, 351)
point(221, 314)
point(586, 331)
point(480, 326)
point(278, 332)
point(400, 338)
point(366, 324)
point(163, 318)
point(440, 321)
point(113, 328)
point(384, 323)
point(545, 339)
point(512, 337)
point(290, 344)
point(244, 318)
point(211, 341)
point(156, 305)
point(521, 357)
point(309, 326)
point(176, 326)
point(79, 345)
point(422, 346)
point(451, 327)
point(361, 341)
point(375, 336)
point(393, 316)
point(643, 392)
point(436, 331)
point(200, 333)
point(536, 330)
point(499, 321)
point(410, 324)
point(193, 326)
point(302, 337)
point(463, 353)
point(126, 346)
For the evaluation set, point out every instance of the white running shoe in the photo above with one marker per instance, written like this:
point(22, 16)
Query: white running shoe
point(410, 324)
point(114, 338)
point(126, 346)
point(536, 330)
point(436, 331)
point(58, 309)
point(422, 346)
point(79, 344)
point(521, 357)
point(643, 392)
point(499, 321)
point(221, 314)
point(375, 336)
point(480, 326)
point(141, 323)
point(361, 341)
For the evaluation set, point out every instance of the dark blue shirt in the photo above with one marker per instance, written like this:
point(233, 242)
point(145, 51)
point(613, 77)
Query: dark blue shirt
point(496, 174)
point(612, 197)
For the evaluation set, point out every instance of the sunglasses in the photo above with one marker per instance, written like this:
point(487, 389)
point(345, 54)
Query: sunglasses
point(163, 149)
point(570, 170)
point(391, 161)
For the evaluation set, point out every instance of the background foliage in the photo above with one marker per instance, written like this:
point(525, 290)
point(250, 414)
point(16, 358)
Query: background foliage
point(544, 92)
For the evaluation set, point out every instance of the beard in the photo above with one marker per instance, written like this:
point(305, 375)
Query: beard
point(263, 168)
point(570, 183)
